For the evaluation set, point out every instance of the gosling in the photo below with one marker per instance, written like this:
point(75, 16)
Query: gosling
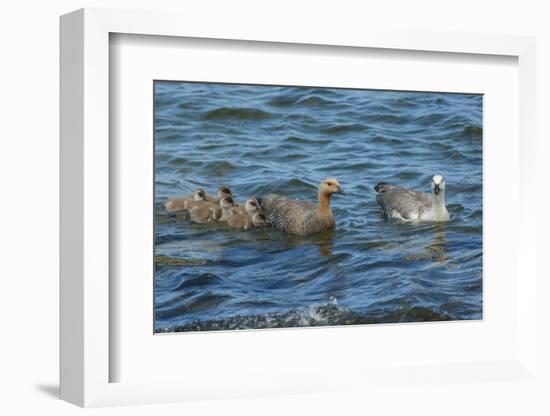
point(410, 205)
point(246, 222)
point(209, 212)
point(251, 206)
point(245, 215)
point(302, 218)
point(185, 203)
point(223, 191)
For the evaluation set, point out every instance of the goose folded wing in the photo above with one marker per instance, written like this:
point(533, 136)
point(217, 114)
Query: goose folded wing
point(421, 197)
point(406, 202)
point(283, 205)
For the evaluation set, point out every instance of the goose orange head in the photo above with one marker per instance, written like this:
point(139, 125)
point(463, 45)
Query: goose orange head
point(331, 186)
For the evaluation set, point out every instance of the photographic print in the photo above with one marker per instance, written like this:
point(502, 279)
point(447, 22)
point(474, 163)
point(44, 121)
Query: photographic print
point(290, 206)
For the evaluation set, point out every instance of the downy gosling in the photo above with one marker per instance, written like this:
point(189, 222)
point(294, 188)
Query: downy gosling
point(186, 202)
point(209, 212)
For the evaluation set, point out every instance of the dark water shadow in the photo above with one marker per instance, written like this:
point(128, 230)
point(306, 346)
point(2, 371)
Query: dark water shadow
point(436, 250)
point(51, 390)
point(324, 241)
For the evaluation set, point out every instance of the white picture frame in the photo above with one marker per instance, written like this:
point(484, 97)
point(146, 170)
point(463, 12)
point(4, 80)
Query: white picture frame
point(86, 356)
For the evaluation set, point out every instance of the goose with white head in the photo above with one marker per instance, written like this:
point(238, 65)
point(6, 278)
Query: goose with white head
point(410, 205)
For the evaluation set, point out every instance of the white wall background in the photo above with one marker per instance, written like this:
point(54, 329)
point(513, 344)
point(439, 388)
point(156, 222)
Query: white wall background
point(29, 115)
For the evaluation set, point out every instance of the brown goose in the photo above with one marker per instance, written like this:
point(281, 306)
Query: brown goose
point(185, 203)
point(302, 217)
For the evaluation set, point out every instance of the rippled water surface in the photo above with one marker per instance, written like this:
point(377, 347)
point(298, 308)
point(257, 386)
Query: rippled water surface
point(263, 139)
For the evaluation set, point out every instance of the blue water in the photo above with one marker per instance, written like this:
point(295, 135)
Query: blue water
point(263, 139)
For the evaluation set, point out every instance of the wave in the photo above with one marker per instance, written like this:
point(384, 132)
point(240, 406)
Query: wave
point(186, 105)
point(405, 175)
point(467, 187)
point(178, 160)
point(203, 279)
point(239, 113)
point(454, 155)
point(468, 229)
point(313, 101)
point(303, 140)
point(430, 119)
point(321, 314)
point(343, 128)
point(354, 166)
point(308, 101)
point(472, 131)
point(162, 260)
point(201, 302)
point(384, 118)
point(165, 100)
point(404, 103)
point(378, 139)
point(440, 100)
point(169, 137)
point(219, 167)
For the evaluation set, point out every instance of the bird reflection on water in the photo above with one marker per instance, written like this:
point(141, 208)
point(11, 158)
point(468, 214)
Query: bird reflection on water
point(436, 250)
point(324, 242)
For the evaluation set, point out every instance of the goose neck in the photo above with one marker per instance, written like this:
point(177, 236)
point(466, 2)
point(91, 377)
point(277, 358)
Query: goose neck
point(439, 200)
point(324, 203)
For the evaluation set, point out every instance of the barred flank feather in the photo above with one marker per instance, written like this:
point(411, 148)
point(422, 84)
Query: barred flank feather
point(407, 204)
point(295, 217)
